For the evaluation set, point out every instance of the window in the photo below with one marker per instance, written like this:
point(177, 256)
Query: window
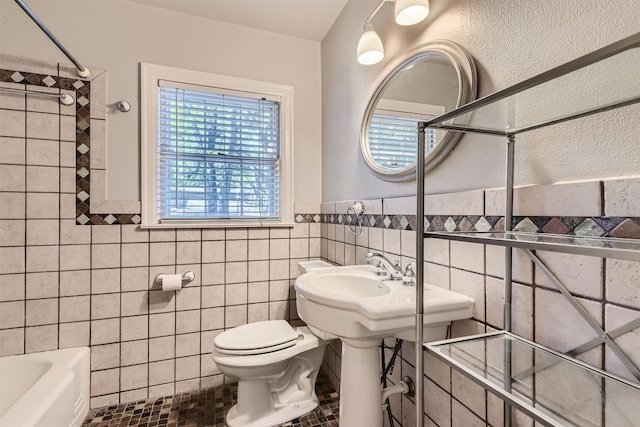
point(216, 150)
point(393, 133)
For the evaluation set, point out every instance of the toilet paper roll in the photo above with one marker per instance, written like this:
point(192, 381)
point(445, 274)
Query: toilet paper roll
point(171, 282)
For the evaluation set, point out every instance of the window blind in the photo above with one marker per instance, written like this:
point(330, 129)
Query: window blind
point(218, 154)
point(393, 140)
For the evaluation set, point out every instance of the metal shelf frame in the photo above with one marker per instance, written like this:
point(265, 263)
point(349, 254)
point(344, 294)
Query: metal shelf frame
point(601, 54)
point(602, 247)
point(474, 357)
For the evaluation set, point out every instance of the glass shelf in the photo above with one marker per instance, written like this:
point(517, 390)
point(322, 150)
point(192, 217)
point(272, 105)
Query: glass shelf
point(604, 247)
point(572, 90)
point(554, 389)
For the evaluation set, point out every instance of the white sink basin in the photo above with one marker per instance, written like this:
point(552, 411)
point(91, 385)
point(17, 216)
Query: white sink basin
point(352, 302)
point(357, 306)
point(347, 285)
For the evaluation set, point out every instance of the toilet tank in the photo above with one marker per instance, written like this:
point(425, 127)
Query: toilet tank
point(313, 264)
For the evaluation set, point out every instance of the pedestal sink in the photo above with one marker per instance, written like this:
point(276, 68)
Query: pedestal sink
point(355, 305)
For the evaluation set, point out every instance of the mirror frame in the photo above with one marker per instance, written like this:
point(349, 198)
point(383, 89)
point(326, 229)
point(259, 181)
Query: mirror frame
point(467, 74)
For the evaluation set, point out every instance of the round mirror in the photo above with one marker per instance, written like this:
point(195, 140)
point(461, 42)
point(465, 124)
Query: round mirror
point(435, 78)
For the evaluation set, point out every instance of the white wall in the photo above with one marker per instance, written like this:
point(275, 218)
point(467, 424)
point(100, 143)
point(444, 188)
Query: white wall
point(510, 41)
point(117, 35)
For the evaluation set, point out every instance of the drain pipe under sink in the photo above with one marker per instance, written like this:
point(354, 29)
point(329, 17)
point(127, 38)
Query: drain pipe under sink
point(405, 386)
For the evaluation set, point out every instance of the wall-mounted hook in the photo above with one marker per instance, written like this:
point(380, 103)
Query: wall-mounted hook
point(123, 106)
point(66, 99)
point(357, 208)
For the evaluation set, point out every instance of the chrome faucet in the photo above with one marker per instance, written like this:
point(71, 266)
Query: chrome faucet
point(393, 269)
point(409, 275)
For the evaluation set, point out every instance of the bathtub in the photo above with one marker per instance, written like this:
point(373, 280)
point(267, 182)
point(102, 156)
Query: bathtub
point(48, 389)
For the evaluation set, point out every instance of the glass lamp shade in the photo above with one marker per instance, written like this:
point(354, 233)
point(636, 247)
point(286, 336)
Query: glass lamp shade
point(370, 49)
point(410, 12)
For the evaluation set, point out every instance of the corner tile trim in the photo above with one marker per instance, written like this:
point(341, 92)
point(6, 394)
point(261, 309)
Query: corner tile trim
point(82, 90)
point(620, 227)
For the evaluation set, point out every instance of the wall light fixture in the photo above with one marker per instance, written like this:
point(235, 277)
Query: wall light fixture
point(407, 12)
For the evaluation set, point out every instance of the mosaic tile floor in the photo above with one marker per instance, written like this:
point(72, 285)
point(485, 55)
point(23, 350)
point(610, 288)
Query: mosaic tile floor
point(205, 408)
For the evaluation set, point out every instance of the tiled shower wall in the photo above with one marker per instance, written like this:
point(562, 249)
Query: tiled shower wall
point(63, 284)
point(607, 288)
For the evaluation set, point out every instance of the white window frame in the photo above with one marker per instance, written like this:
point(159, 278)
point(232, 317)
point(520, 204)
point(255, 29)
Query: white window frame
point(150, 74)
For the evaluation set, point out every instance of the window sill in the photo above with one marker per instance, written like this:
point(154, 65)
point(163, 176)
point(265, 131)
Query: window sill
point(231, 224)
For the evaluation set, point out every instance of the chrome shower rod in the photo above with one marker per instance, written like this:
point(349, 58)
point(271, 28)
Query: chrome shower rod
point(82, 71)
point(65, 99)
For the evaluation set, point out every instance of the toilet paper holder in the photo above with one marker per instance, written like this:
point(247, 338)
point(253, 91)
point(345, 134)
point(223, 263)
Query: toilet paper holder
point(188, 277)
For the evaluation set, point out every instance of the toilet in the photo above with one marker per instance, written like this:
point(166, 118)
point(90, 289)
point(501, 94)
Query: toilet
point(276, 366)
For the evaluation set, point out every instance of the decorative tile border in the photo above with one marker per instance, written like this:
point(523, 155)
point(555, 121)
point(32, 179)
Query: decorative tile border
point(621, 227)
point(307, 218)
point(82, 90)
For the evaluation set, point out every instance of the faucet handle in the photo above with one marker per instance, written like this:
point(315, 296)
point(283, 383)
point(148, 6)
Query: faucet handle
point(409, 270)
point(380, 271)
point(409, 275)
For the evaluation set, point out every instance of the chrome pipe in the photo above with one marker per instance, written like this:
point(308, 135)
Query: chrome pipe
point(419, 382)
point(508, 225)
point(377, 9)
point(65, 99)
point(82, 71)
point(508, 269)
point(608, 339)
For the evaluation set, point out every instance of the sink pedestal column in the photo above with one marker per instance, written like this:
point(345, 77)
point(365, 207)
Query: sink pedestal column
point(360, 388)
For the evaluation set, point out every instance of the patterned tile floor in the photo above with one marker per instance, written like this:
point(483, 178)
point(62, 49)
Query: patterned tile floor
point(205, 408)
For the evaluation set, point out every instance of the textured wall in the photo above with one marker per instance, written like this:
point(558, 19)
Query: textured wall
point(510, 41)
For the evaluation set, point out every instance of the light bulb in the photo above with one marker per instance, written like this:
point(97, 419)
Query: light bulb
point(370, 49)
point(410, 12)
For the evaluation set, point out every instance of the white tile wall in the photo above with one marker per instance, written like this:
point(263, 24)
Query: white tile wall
point(622, 197)
point(552, 312)
point(473, 286)
point(467, 256)
point(467, 202)
point(469, 394)
point(616, 317)
point(522, 265)
point(566, 199)
point(64, 285)
point(438, 275)
point(539, 312)
point(462, 416)
point(582, 275)
point(622, 279)
point(399, 205)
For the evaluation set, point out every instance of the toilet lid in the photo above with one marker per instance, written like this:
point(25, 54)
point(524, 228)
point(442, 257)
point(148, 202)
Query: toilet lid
point(256, 338)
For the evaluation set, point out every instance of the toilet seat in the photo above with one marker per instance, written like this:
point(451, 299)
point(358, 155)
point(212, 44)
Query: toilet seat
point(256, 338)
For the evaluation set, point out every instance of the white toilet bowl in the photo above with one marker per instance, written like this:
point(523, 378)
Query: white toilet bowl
point(276, 367)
